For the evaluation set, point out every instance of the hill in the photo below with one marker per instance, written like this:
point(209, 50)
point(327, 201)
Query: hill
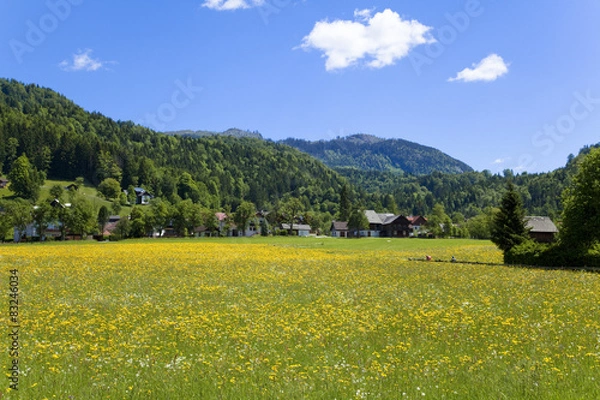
point(66, 141)
point(368, 152)
point(233, 132)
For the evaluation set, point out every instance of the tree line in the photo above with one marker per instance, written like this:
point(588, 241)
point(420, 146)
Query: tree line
point(578, 242)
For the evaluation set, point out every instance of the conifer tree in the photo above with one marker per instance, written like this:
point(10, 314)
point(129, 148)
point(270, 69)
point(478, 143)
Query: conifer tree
point(508, 229)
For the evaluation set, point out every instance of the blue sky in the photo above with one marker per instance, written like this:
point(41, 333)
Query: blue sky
point(496, 84)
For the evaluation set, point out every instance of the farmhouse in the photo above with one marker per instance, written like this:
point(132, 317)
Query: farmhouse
point(541, 229)
point(383, 225)
point(339, 229)
point(3, 183)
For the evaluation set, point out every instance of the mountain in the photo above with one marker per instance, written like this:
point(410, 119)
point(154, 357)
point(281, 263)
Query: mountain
point(233, 132)
point(367, 152)
point(219, 171)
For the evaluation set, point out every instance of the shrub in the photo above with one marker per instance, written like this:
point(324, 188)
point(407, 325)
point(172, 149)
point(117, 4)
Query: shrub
point(554, 255)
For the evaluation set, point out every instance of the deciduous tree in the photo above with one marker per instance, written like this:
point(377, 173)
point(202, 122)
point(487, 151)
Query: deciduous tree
point(242, 216)
point(581, 224)
point(25, 180)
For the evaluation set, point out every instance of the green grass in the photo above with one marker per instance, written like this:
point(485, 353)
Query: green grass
point(298, 318)
point(88, 191)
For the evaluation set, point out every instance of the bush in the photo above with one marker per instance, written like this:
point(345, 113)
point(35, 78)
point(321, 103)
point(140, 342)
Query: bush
point(526, 253)
point(554, 255)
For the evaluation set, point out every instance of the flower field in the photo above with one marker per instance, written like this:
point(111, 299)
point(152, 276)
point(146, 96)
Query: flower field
point(297, 319)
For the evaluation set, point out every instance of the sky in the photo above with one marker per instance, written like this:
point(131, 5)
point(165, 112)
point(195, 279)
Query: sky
point(496, 84)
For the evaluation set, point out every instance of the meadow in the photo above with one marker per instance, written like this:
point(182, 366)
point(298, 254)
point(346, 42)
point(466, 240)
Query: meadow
point(296, 318)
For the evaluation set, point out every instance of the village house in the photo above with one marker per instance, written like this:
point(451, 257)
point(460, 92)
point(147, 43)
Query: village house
point(418, 223)
point(31, 231)
point(339, 229)
point(297, 229)
point(541, 229)
point(142, 196)
point(3, 183)
point(382, 225)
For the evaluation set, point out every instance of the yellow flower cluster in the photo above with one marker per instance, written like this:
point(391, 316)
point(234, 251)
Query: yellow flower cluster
point(210, 319)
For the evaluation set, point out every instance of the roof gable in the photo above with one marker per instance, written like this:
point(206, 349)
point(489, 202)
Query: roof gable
point(339, 225)
point(537, 224)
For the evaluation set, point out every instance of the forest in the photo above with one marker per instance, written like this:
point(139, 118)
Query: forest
point(221, 172)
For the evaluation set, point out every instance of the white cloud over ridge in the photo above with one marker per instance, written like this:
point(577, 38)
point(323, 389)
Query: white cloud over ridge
point(83, 61)
point(377, 40)
point(230, 5)
point(487, 70)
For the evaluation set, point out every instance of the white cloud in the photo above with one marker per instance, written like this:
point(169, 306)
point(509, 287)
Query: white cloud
point(500, 161)
point(228, 5)
point(489, 69)
point(380, 40)
point(83, 61)
point(363, 15)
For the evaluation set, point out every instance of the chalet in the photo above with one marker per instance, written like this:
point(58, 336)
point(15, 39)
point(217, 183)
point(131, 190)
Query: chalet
point(417, 223)
point(142, 196)
point(398, 226)
point(541, 229)
point(72, 187)
point(3, 183)
point(297, 229)
point(376, 223)
point(382, 225)
point(339, 229)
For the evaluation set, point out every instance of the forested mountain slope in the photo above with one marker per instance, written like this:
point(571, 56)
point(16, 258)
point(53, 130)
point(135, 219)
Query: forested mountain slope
point(367, 152)
point(66, 141)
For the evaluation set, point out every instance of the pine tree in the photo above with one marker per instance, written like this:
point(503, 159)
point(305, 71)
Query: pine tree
point(508, 229)
point(345, 204)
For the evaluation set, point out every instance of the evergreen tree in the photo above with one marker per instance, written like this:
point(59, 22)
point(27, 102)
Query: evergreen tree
point(103, 215)
point(345, 205)
point(508, 229)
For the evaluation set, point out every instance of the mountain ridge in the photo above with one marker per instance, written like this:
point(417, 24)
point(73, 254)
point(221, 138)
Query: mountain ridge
point(369, 152)
point(361, 150)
